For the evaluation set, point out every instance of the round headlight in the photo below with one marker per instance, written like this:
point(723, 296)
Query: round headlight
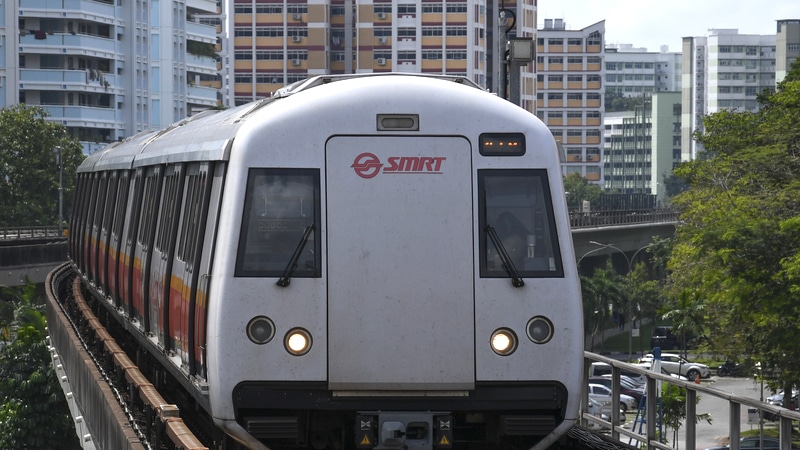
point(297, 341)
point(540, 330)
point(504, 341)
point(260, 330)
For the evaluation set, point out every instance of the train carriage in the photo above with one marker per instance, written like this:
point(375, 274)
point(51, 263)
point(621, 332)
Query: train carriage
point(368, 261)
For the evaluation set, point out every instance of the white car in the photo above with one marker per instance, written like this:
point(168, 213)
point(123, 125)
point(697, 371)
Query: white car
point(602, 394)
point(601, 411)
point(677, 364)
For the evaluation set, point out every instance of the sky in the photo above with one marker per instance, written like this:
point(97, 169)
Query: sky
point(653, 23)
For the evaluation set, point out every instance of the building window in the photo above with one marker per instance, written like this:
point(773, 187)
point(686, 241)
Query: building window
point(431, 31)
point(456, 31)
point(456, 7)
point(431, 8)
point(574, 41)
point(555, 41)
point(555, 60)
point(432, 54)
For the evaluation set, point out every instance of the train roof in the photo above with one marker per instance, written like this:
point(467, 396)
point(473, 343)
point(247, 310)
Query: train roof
point(209, 135)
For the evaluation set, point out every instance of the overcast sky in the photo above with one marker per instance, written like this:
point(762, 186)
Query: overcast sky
point(653, 23)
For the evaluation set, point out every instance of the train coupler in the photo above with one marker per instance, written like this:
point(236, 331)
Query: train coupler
point(404, 430)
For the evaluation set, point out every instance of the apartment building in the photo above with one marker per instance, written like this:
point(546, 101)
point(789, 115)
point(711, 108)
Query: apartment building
point(570, 93)
point(643, 145)
point(724, 70)
point(633, 71)
point(274, 43)
point(787, 47)
point(106, 69)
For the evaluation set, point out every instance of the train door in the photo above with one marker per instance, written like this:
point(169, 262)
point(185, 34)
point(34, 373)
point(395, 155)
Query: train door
point(400, 263)
point(86, 231)
point(105, 230)
point(190, 243)
point(151, 194)
point(115, 240)
point(133, 214)
point(205, 253)
point(161, 258)
point(97, 220)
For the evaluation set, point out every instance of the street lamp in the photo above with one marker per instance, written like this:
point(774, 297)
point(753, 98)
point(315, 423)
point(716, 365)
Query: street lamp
point(57, 152)
point(630, 269)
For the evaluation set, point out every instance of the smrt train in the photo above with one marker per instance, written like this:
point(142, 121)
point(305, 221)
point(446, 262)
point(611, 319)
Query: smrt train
point(373, 261)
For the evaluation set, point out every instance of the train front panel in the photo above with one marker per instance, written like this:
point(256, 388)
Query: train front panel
point(401, 264)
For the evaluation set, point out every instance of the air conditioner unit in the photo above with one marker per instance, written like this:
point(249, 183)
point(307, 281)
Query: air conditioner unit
point(296, 17)
point(381, 61)
point(295, 62)
point(295, 38)
point(381, 15)
point(382, 40)
point(579, 158)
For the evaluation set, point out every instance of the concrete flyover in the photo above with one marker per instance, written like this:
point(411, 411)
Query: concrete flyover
point(30, 253)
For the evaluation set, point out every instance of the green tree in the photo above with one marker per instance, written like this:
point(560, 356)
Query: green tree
point(603, 292)
point(579, 189)
point(738, 242)
point(29, 171)
point(33, 411)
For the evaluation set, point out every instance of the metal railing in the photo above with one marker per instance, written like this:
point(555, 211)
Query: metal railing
point(650, 439)
point(35, 232)
point(605, 218)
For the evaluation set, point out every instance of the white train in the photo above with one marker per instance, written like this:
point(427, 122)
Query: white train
point(369, 261)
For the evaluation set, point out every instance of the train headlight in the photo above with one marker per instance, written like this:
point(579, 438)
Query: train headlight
point(297, 341)
point(540, 330)
point(260, 330)
point(504, 341)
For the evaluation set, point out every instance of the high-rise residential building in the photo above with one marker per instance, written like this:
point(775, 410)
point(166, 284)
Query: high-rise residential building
point(274, 43)
point(106, 69)
point(632, 71)
point(570, 93)
point(724, 70)
point(787, 47)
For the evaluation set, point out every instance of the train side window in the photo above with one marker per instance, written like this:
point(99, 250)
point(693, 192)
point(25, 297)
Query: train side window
point(281, 216)
point(516, 206)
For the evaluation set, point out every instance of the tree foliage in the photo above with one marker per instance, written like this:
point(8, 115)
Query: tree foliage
point(29, 170)
point(33, 411)
point(738, 243)
point(579, 189)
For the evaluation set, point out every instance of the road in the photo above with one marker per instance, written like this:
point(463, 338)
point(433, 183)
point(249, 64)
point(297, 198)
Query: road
point(716, 433)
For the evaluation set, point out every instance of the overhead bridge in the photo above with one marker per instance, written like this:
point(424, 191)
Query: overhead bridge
point(30, 253)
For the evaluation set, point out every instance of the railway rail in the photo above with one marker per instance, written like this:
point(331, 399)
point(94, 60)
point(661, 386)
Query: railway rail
point(125, 412)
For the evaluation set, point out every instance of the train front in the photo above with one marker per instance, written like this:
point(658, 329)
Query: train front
point(399, 274)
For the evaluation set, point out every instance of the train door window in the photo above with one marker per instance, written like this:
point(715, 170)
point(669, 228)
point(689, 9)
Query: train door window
point(280, 224)
point(517, 225)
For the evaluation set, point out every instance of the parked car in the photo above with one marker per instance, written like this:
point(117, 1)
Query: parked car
point(777, 399)
point(603, 394)
point(602, 411)
point(677, 364)
point(648, 365)
point(606, 381)
point(754, 443)
point(663, 337)
point(601, 369)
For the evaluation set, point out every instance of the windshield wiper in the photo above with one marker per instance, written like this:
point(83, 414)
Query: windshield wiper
point(286, 278)
point(516, 279)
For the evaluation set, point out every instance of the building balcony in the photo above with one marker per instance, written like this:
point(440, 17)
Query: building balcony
point(71, 44)
point(201, 33)
point(88, 9)
point(85, 116)
point(201, 95)
point(67, 80)
point(203, 5)
point(201, 64)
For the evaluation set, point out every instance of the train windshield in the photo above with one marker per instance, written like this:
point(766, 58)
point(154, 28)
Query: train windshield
point(280, 224)
point(518, 233)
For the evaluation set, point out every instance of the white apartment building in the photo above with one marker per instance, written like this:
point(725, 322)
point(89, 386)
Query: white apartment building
point(633, 71)
point(724, 70)
point(106, 69)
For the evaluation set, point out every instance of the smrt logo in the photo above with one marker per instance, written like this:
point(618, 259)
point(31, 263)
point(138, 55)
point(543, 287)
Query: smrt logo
point(367, 165)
